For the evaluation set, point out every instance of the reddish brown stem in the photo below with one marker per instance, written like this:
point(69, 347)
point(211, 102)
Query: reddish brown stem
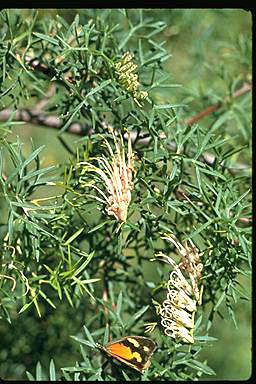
point(246, 87)
point(193, 119)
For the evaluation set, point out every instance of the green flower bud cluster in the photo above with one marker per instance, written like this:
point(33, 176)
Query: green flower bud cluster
point(128, 79)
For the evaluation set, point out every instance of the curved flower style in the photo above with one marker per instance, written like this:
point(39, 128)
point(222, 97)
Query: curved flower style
point(178, 310)
point(117, 176)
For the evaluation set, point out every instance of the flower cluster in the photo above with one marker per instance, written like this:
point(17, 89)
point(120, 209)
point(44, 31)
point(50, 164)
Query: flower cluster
point(117, 176)
point(127, 79)
point(178, 310)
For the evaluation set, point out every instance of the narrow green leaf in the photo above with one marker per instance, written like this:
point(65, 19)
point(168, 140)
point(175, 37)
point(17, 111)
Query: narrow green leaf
point(82, 341)
point(30, 377)
point(168, 106)
point(200, 366)
point(73, 237)
point(68, 296)
point(46, 298)
point(222, 297)
point(85, 263)
point(238, 200)
point(46, 37)
point(39, 371)
point(25, 306)
point(38, 172)
point(218, 201)
point(119, 303)
point(205, 338)
point(106, 335)
point(52, 371)
point(89, 336)
point(69, 121)
point(99, 226)
point(99, 87)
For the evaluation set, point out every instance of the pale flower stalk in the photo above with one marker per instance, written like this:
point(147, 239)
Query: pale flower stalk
point(117, 176)
point(178, 310)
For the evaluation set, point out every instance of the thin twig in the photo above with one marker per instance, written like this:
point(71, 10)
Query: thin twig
point(34, 115)
point(246, 87)
point(77, 128)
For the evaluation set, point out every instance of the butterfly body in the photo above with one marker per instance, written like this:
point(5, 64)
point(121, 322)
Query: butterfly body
point(134, 351)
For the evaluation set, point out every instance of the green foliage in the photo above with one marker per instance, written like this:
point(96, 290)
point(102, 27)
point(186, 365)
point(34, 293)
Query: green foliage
point(62, 256)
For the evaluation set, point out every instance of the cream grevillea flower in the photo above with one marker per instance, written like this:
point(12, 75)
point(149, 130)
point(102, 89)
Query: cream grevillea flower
point(178, 310)
point(117, 176)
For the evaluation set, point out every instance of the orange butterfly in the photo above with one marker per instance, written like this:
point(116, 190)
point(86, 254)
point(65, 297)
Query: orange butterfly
point(134, 351)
